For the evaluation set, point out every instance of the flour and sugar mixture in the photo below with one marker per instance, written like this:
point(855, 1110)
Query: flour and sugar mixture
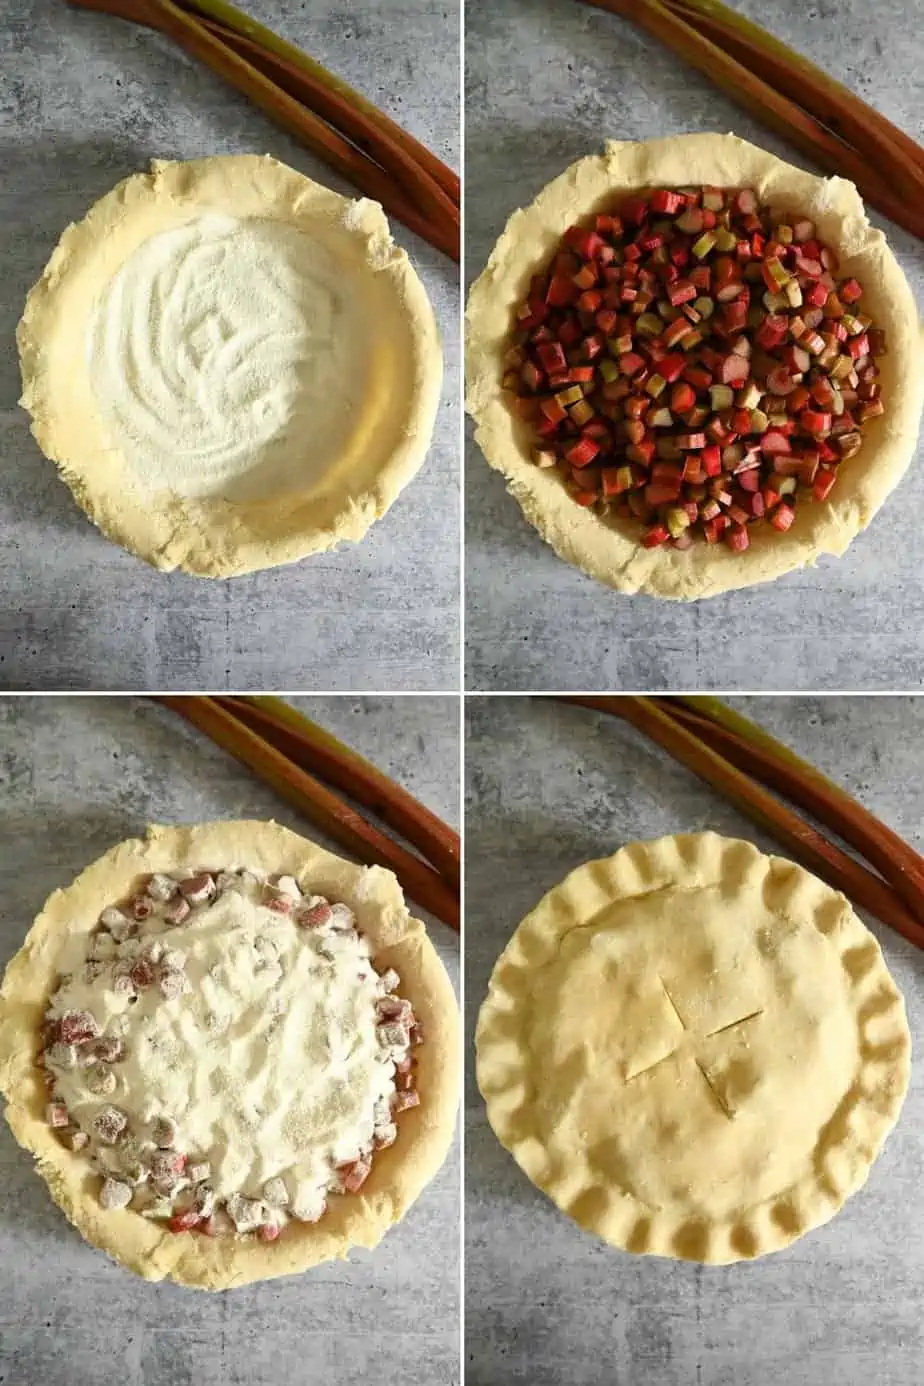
point(227, 1054)
point(229, 358)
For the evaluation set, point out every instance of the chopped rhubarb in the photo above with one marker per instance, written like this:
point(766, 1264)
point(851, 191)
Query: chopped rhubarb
point(692, 363)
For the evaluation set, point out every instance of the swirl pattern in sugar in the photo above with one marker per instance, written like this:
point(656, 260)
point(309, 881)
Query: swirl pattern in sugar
point(225, 360)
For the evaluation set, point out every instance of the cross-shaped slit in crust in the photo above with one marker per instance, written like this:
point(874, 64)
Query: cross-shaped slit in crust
point(710, 1034)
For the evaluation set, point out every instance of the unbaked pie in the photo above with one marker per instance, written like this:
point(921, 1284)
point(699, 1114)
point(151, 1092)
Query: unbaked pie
point(694, 1049)
point(229, 1071)
point(697, 366)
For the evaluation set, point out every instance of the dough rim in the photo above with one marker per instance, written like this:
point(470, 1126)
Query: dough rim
point(506, 1071)
point(212, 537)
point(585, 539)
point(399, 1173)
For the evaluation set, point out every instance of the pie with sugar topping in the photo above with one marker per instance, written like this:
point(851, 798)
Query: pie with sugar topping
point(233, 1054)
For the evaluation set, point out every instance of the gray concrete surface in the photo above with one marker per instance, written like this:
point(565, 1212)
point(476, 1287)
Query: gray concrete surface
point(86, 100)
point(76, 776)
point(550, 787)
point(548, 81)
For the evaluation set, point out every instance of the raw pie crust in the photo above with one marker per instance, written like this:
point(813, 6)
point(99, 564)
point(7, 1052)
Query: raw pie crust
point(398, 1173)
point(609, 549)
point(694, 1049)
point(232, 366)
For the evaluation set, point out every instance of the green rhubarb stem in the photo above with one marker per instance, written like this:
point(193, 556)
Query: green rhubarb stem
point(800, 79)
point(805, 843)
point(763, 101)
point(232, 18)
point(321, 752)
point(755, 751)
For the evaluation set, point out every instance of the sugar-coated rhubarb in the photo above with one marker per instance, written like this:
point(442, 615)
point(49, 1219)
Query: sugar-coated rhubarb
point(693, 366)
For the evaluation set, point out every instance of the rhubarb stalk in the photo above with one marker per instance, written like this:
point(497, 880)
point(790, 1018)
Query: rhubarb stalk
point(782, 115)
point(757, 753)
point(804, 843)
point(829, 101)
point(321, 805)
point(319, 752)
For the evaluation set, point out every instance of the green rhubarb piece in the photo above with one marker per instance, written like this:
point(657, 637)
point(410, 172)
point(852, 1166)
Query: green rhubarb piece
point(581, 413)
point(618, 346)
point(655, 384)
point(702, 247)
point(649, 325)
point(786, 485)
point(714, 199)
point(570, 395)
point(793, 293)
point(543, 458)
point(608, 369)
point(777, 271)
point(704, 306)
point(783, 234)
point(677, 521)
point(759, 421)
point(661, 418)
point(774, 302)
point(725, 240)
point(837, 401)
point(722, 397)
point(749, 396)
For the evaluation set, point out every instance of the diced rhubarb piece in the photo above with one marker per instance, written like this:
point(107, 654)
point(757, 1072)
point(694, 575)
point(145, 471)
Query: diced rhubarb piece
point(552, 356)
point(587, 243)
point(75, 1027)
point(775, 442)
point(850, 291)
point(734, 369)
point(670, 367)
point(824, 483)
point(711, 459)
point(815, 421)
point(185, 1221)
point(737, 537)
point(782, 516)
point(655, 536)
point(582, 452)
point(631, 363)
point(667, 202)
point(683, 397)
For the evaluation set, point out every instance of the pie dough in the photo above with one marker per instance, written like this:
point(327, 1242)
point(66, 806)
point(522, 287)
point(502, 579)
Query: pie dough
point(694, 1049)
point(605, 547)
point(232, 366)
point(399, 1173)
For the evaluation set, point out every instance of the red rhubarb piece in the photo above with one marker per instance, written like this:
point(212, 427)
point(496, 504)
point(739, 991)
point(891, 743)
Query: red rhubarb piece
point(737, 537)
point(355, 1175)
point(656, 535)
point(824, 483)
point(183, 1222)
point(582, 453)
point(586, 243)
point(782, 516)
point(774, 442)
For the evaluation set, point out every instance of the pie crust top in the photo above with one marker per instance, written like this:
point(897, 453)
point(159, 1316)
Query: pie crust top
point(694, 1049)
point(232, 366)
point(605, 547)
point(395, 940)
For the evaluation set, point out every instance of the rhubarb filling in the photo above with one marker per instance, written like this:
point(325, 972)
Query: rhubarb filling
point(692, 364)
point(226, 361)
point(225, 1054)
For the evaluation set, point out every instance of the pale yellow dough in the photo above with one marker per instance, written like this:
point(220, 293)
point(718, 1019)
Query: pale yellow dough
point(605, 547)
point(233, 366)
point(694, 1049)
point(399, 1173)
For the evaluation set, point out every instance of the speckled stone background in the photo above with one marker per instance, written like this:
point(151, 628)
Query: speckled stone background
point(77, 776)
point(550, 787)
point(548, 81)
point(86, 100)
